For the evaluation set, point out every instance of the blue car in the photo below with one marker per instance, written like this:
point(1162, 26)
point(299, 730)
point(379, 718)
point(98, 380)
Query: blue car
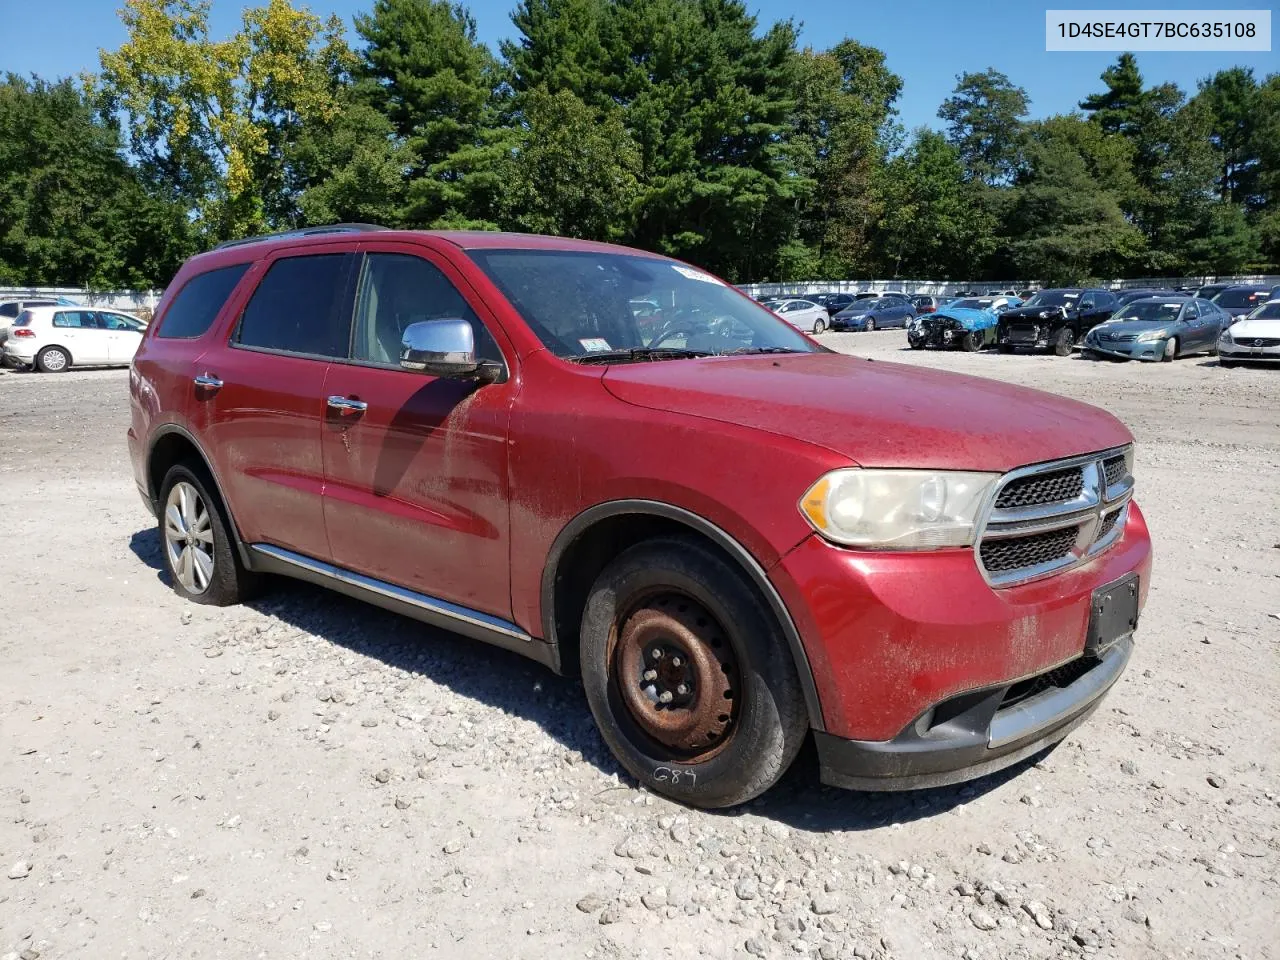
point(968, 324)
point(888, 310)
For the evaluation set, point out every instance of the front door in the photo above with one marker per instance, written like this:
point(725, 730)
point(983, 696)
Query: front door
point(264, 398)
point(416, 474)
point(125, 335)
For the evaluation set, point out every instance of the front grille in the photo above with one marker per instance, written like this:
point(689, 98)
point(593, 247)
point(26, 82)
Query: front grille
point(1054, 516)
point(1041, 488)
point(1016, 553)
point(1021, 333)
point(1116, 468)
point(1118, 337)
point(1057, 678)
point(1256, 342)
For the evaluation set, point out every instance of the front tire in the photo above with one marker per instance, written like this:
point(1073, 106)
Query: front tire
point(819, 326)
point(971, 342)
point(1062, 342)
point(52, 360)
point(1170, 350)
point(871, 324)
point(688, 675)
point(196, 543)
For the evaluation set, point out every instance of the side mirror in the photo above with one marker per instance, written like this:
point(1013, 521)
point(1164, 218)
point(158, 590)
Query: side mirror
point(440, 348)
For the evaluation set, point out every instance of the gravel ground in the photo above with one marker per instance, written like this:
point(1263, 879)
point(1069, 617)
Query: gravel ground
point(311, 777)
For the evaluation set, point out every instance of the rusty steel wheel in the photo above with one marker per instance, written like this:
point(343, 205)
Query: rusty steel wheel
point(677, 675)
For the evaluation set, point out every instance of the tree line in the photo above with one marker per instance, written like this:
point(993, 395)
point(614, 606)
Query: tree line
point(673, 125)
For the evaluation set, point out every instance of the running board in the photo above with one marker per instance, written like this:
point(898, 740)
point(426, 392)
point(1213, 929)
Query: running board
point(268, 558)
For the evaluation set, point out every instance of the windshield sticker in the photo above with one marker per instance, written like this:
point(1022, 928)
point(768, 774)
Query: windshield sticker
point(595, 344)
point(1171, 306)
point(1070, 296)
point(694, 274)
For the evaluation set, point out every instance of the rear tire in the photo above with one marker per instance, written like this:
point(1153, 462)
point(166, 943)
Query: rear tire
point(195, 540)
point(52, 360)
point(723, 714)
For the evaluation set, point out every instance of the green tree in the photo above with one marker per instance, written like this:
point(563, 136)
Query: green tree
point(423, 68)
point(1067, 222)
point(1116, 109)
point(1266, 139)
point(212, 121)
point(71, 210)
point(985, 116)
point(1231, 99)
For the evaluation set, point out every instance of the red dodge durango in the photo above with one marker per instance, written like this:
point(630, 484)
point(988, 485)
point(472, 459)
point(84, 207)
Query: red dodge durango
point(737, 537)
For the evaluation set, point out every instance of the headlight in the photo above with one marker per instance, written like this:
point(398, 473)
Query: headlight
point(1225, 336)
point(1046, 314)
point(1151, 335)
point(897, 509)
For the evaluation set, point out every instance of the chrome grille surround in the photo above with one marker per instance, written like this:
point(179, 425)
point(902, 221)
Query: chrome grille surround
point(1097, 514)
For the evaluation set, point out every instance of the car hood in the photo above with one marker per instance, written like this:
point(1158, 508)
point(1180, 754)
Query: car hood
point(877, 414)
point(1261, 327)
point(967, 317)
point(848, 313)
point(1239, 311)
point(1134, 326)
point(1033, 313)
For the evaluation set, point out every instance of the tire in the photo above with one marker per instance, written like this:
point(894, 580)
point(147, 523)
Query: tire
point(871, 325)
point(1170, 350)
point(52, 360)
point(671, 596)
point(914, 343)
point(220, 579)
point(971, 342)
point(819, 326)
point(1062, 341)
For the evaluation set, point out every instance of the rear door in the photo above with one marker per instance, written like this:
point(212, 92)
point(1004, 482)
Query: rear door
point(264, 394)
point(79, 332)
point(416, 487)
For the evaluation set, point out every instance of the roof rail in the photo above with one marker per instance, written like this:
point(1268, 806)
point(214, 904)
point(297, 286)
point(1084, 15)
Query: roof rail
point(305, 232)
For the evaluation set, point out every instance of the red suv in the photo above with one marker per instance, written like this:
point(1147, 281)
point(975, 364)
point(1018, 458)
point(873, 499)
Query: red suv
point(736, 535)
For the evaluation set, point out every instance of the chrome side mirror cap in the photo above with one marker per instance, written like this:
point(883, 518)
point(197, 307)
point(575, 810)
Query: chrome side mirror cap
point(440, 348)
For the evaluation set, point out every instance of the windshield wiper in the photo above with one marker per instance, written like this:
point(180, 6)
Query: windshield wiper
point(635, 354)
point(743, 351)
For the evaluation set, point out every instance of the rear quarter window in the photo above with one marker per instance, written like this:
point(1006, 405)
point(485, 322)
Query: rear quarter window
point(198, 303)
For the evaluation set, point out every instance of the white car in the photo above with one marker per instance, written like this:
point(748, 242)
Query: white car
point(802, 314)
point(1256, 337)
point(51, 339)
point(9, 310)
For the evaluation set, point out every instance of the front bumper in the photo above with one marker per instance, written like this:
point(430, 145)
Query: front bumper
point(845, 323)
point(1150, 350)
point(943, 336)
point(897, 638)
point(979, 733)
point(1244, 350)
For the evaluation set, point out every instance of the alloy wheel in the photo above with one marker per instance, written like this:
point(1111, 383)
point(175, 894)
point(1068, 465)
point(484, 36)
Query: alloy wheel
point(188, 537)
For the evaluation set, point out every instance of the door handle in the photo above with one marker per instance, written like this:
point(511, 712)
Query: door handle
point(345, 405)
point(207, 383)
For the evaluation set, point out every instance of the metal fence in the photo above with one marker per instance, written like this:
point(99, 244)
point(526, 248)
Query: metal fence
point(120, 299)
point(949, 287)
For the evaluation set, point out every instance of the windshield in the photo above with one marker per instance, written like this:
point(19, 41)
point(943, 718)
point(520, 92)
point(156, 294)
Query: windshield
point(1053, 298)
point(973, 303)
point(1239, 298)
point(1268, 311)
point(1162, 311)
point(581, 304)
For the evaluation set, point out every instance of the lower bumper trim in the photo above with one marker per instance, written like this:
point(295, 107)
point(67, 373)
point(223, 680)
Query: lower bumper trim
point(976, 739)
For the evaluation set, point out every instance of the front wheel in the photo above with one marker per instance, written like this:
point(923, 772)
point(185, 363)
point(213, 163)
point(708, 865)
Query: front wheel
point(688, 675)
point(819, 326)
point(915, 343)
point(971, 342)
point(1170, 350)
point(871, 324)
point(1062, 342)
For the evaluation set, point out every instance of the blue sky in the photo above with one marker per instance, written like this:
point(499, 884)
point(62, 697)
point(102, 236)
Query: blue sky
point(927, 42)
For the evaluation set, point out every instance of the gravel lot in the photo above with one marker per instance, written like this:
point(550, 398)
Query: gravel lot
point(311, 777)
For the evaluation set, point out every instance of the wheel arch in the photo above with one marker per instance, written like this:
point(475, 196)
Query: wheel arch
point(601, 532)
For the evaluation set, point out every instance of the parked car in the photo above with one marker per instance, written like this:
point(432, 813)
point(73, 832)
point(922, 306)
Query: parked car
point(1144, 293)
point(391, 413)
point(801, 314)
point(1256, 337)
point(1211, 290)
point(1054, 319)
point(10, 309)
point(53, 339)
point(1157, 328)
point(969, 324)
point(1241, 299)
point(925, 303)
point(833, 303)
point(1027, 294)
point(878, 313)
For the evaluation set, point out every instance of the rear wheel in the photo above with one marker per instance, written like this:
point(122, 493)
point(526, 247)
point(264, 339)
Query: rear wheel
point(1062, 342)
point(199, 554)
point(1170, 350)
point(52, 360)
point(688, 676)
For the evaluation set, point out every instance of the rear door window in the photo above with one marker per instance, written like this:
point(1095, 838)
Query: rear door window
point(300, 306)
point(198, 303)
point(76, 319)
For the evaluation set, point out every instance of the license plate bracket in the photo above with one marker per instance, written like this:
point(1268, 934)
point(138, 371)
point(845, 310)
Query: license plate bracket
point(1113, 614)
